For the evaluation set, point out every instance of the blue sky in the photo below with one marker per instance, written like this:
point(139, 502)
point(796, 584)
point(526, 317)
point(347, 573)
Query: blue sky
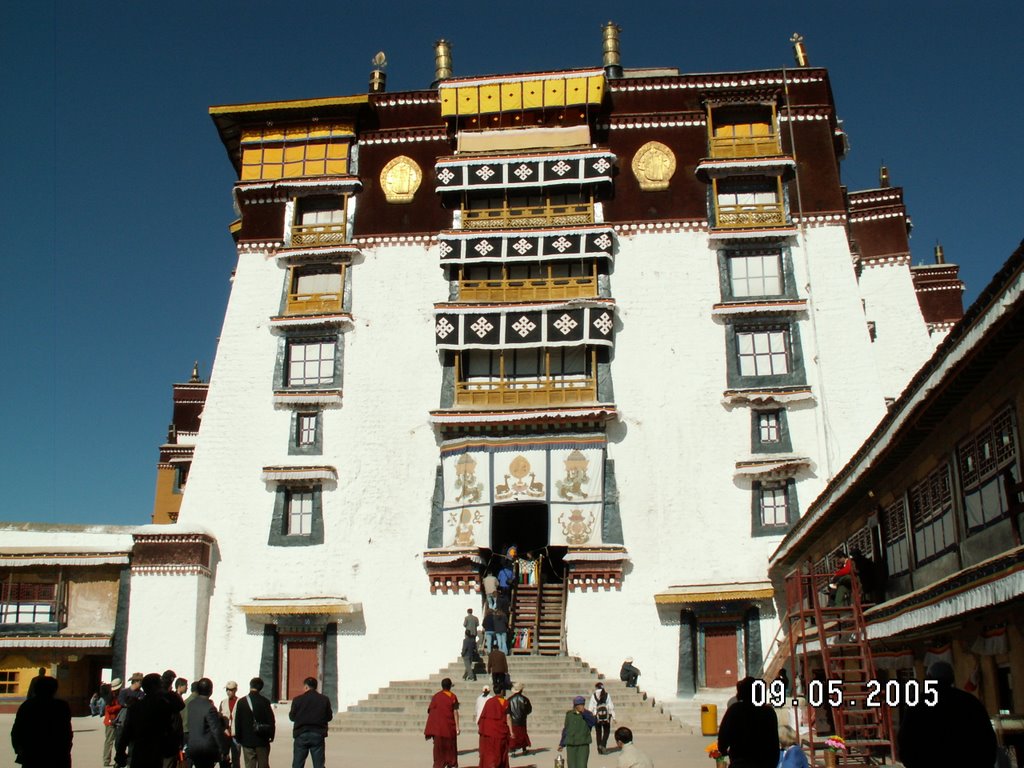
point(117, 190)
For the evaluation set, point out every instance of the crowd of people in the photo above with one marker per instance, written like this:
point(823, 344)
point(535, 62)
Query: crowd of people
point(152, 723)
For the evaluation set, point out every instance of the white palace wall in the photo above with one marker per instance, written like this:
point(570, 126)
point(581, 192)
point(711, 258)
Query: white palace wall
point(686, 517)
point(902, 343)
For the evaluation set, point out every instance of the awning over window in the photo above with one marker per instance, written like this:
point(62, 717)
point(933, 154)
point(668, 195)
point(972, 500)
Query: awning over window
point(481, 96)
point(715, 593)
point(56, 641)
point(455, 174)
point(298, 474)
point(26, 556)
point(462, 247)
point(575, 323)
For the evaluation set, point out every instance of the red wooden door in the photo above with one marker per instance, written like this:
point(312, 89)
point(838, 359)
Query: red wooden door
point(720, 657)
point(303, 661)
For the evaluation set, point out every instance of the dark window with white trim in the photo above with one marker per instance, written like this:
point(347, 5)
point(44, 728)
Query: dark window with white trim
point(774, 508)
point(897, 543)
point(768, 426)
point(982, 459)
point(769, 431)
point(306, 429)
point(931, 515)
point(300, 511)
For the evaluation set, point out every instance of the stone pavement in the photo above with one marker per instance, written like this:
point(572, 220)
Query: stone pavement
point(395, 750)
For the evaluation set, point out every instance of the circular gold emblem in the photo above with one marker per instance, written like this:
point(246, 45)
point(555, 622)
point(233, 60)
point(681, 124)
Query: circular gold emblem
point(653, 166)
point(400, 179)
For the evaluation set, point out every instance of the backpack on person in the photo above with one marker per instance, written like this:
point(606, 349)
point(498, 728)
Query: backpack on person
point(601, 710)
point(261, 729)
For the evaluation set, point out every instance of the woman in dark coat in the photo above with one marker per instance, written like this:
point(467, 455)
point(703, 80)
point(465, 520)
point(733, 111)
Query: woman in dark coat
point(41, 735)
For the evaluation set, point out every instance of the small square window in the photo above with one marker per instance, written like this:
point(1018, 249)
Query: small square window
point(8, 682)
point(755, 275)
point(763, 352)
point(310, 362)
point(306, 429)
point(768, 426)
point(300, 512)
point(774, 508)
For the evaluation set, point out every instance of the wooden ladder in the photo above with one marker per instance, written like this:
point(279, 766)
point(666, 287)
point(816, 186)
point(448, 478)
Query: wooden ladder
point(836, 635)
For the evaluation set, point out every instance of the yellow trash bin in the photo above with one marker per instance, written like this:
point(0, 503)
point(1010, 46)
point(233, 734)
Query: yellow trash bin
point(709, 719)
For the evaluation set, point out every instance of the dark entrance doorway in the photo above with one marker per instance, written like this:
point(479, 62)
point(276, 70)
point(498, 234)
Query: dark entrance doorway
point(522, 524)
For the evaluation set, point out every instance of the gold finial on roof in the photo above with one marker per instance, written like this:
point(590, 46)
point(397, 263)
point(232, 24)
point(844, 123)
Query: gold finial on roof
point(378, 80)
point(195, 373)
point(940, 255)
point(799, 49)
point(612, 58)
point(442, 60)
point(883, 176)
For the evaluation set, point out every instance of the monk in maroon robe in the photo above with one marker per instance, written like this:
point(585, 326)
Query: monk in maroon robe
point(443, 726)
point(494, 732)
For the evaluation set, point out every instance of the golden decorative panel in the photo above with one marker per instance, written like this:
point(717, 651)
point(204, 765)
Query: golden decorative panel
point(501, 94)
point(653, 166)
point(289, 152)
point(400, 179)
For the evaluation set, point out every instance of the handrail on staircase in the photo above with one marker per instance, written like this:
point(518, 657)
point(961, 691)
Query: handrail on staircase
point(535, 642)
point(563, 647)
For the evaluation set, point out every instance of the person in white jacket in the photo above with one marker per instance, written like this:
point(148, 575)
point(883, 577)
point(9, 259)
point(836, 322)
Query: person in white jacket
point(481, 700)
point(601, 705)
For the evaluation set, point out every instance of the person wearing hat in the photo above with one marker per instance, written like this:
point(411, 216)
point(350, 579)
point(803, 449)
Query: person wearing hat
point(494, 732)
point(133, 691)
point(601, 705)
point(519, 708)
point(109, 717)
point(576, 737)
point(227, 715)
point(628, 674)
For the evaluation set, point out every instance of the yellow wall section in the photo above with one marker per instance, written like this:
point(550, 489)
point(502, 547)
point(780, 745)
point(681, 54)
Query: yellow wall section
point(498, 96)
point(166, 502)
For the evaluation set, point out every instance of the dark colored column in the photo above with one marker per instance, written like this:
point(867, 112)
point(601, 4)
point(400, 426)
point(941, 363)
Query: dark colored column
point(753, 634)
point(687, 680)
point(330, 673)
point(268, 663)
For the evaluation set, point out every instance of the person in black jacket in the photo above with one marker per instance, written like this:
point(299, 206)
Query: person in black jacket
point(152, 728)
point(310, 713)
point(254, 726)
point(956, 730)
point(519, 709)
point(42, 735)
point(749, 734)
point(207, 742)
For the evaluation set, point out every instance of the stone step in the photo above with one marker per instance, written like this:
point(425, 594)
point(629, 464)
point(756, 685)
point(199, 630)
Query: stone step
point(550, 682)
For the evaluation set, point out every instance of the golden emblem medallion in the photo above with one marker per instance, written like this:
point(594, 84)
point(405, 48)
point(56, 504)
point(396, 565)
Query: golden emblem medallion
point(653, 166)
point(400, 179)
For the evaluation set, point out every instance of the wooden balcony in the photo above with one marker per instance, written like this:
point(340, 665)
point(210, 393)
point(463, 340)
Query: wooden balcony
point(745, 146)
point(528, 289)
point(529, 216)
point(318, 234)
point(312, 303)
point(526, 392)
point(750, 215)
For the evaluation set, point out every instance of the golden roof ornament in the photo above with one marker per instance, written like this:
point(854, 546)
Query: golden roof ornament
point(195, 373)
point(883, 177)
point(378, 79)
point(611, 58)
point(799, 50)
point(442, 60)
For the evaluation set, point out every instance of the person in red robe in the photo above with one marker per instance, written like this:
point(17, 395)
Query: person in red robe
point(494, 731)
point(443, 726)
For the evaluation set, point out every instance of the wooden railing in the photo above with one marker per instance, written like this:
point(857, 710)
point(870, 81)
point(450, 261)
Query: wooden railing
point(745, 146)
point(318, 234)
point(528, 289)
point(528, 216)
point(312, 303)
point(750, 215)
point(522, 391)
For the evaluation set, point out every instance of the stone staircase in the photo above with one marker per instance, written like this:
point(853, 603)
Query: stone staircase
point(550, 683)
